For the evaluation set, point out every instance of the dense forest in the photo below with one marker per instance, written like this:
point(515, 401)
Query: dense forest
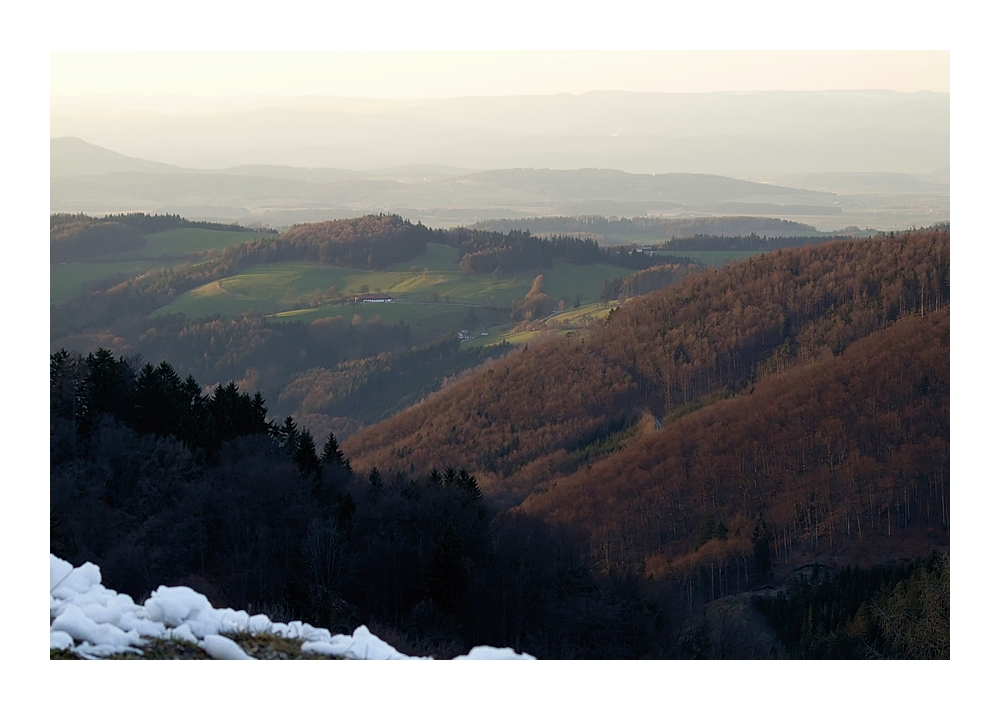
point(882, 612)
point(158, 484)
point(645, 281)
point(485, 252)
point(711, 335)
point(377, 366)
point(787, 408)
point(842, 457)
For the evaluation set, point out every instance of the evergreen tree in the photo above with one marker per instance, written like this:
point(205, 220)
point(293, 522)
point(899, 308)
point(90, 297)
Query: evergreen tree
point(288, 433)
point(110, 385)
point(332, 455)
point(309, 463)
point(445, 578)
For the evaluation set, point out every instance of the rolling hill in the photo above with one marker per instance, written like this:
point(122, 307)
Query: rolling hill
point(88, 178)
point(535, 421)
point(843, 459)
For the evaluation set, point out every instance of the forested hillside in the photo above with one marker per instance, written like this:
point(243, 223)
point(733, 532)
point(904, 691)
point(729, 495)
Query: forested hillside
point(841, 458)
point(543, 411)
point(280, 313)
point(787, 412)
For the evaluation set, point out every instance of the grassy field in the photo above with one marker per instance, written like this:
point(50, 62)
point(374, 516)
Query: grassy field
point(426, 321)
point(558, 325)
point(580, 317)
point(431, 287)
point(186, 242)
point(67, 281)
point(162, 250)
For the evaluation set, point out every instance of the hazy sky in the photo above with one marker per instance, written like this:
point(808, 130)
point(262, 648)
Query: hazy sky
point(443, 74)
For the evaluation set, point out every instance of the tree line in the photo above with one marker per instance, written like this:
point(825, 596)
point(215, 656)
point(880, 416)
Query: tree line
point(210, 494)
point(749, 242)
point(78, 237)
point(647, 229)
point(334, 373)
point(496, 252)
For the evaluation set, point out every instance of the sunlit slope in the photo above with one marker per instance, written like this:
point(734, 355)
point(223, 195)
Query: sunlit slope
point(534, 415)
point(311, 290)
point(192, 241)
point(162, 250)
point(843, 456)
point(570, 320)
point(67, 281)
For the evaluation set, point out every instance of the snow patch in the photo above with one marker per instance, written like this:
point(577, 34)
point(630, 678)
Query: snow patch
point(95, 622)
point(223, 649)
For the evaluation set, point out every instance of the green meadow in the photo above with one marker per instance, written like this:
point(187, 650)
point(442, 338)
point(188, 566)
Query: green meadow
point(187, 242)
point(568, 321)
point(67, 281)
point(430, 289)
point(162, 250)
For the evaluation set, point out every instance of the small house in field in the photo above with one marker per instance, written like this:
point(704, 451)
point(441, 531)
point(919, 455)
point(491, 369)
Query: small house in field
point(373, 298)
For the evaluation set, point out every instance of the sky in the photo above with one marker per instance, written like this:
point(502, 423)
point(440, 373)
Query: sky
point(143, 103)
point(455, 73)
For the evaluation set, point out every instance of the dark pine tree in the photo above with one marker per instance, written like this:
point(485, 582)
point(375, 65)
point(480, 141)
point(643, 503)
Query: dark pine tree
point(332, 455)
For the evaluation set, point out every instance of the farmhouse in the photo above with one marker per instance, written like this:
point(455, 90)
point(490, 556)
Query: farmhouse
point(373, 298)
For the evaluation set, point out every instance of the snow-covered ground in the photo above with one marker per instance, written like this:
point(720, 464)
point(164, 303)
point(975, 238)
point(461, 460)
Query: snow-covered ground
point(94, 622)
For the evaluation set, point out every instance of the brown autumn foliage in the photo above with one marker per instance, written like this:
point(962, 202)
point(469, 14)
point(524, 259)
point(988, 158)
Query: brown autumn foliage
point(535, 304)
point(654, 278)
point(539, 413)
point(364, 242)
point(836, 455)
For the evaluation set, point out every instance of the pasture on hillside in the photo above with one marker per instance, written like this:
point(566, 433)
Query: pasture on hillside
point(568, 321)
point(186, 242)
point(163, 250)
point(431, 293)
point(74, 279)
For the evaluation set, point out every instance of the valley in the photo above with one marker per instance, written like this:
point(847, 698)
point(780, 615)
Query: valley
point(666, 447)
point(609, 375)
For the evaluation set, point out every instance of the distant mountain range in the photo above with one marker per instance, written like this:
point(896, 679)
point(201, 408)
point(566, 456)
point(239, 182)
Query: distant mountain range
point(95, 180)
point(743, 134)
